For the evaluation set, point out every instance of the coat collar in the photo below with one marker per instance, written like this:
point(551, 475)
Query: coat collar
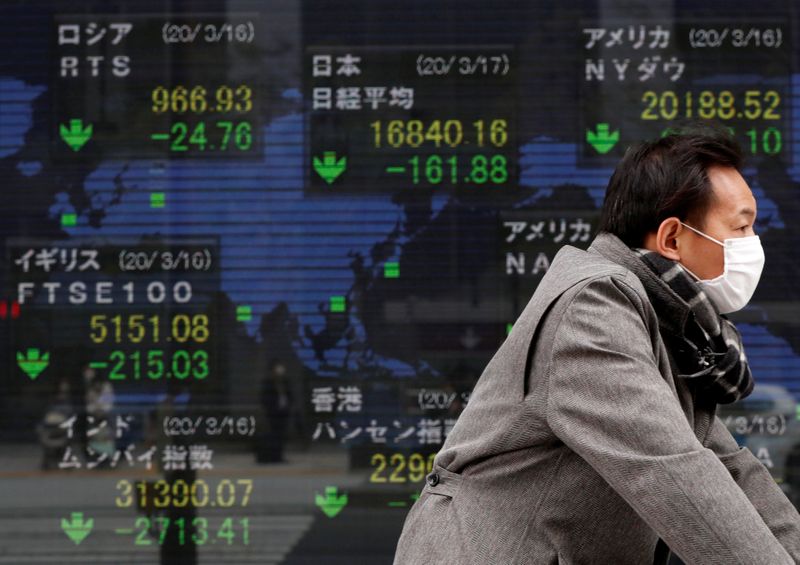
point(673, 312)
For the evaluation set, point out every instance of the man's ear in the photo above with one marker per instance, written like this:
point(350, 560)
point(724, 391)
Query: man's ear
point(666, 242)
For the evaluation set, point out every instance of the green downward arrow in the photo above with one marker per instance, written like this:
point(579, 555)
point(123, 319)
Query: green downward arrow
point(328, 167)
point(32, 362)
point(602, 139)
point(76, 135)
point(332, 503)
point(76, 529)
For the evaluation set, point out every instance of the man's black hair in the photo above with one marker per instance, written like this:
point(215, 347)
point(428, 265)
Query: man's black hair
point(667, 177)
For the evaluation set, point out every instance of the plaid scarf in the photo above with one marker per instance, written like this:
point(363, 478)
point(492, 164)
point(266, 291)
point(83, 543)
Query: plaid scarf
point(710, 351)
point(705, 344)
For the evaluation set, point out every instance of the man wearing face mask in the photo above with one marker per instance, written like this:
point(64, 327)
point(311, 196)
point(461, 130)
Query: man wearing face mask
point(592, 436)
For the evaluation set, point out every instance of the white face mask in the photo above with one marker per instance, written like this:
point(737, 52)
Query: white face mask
point(744, 261)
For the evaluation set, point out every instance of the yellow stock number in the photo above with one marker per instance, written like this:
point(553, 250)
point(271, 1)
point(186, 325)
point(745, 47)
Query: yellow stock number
point(403, 469)
point(136, 327)
point(180, 493)
point(707, 104)
point(197, 100)
point(413, 133)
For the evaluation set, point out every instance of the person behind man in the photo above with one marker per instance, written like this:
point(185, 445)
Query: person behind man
point(592, 437)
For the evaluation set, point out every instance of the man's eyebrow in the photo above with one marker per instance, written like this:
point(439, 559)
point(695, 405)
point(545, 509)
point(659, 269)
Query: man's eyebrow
point(747, 211)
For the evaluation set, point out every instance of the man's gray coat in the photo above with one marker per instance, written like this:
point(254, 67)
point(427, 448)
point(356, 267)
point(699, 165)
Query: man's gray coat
point(579, 446)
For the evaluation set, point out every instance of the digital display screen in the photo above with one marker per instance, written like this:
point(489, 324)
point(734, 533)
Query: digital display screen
point(256, 254)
